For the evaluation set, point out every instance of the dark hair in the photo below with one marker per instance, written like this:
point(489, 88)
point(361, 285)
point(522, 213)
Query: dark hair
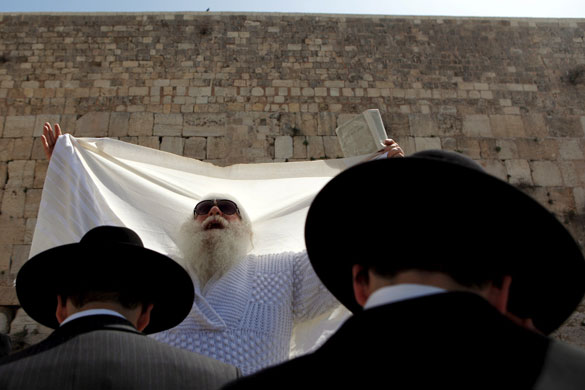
point(99, 287)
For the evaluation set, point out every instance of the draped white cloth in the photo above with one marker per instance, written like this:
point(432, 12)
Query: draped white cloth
point(100, 181)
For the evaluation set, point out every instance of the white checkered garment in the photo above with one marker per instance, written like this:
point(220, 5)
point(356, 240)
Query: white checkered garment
point(246, 317)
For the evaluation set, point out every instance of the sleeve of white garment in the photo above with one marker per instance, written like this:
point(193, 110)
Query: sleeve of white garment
point(310, 298)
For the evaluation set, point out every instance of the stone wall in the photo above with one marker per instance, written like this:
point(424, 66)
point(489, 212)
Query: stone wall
point(232, 88)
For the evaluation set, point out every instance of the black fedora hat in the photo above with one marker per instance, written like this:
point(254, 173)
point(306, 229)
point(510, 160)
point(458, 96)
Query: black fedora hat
point(441, 208)
point(106, 256)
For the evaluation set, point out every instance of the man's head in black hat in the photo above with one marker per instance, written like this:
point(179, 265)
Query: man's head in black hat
point(108, 269)
point(449, 224)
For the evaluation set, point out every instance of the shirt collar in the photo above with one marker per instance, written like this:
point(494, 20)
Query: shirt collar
point(400, 292)
point(91, 312)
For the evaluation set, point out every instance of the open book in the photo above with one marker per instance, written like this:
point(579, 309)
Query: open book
point(362, 135)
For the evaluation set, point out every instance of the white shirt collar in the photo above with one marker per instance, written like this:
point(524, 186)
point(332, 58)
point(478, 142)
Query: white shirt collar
point(91, 312)
point(400, 292)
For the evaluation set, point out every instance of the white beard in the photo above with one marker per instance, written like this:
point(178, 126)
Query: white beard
point(214, 251)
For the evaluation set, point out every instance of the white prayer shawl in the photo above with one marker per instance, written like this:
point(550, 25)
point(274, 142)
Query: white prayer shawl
point(100, 181)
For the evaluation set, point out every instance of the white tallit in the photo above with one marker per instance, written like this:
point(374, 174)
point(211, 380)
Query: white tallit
point(99, 181)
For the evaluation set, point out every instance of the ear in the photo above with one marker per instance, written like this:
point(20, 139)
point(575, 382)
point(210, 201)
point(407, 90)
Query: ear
point(361, 284)
point(62, 312)
point(144, 318)
point(498, 296)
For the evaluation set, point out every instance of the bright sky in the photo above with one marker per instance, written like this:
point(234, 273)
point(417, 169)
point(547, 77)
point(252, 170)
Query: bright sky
point(510, 8)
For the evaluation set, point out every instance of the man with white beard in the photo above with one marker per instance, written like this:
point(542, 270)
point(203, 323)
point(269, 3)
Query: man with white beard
point(245, 305)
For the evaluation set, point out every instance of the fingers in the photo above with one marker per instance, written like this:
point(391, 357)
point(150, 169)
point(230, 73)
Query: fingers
point(392, 148)
point(49, 138)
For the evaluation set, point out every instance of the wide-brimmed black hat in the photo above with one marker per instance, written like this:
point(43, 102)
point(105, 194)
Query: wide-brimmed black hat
point(106, 258)
point(440, 208)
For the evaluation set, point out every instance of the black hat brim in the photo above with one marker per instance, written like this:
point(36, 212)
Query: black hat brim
point(164, 282)
point(413, 207)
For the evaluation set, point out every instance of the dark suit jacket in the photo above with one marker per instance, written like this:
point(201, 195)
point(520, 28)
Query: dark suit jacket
point(451, 340)
point(107, 352)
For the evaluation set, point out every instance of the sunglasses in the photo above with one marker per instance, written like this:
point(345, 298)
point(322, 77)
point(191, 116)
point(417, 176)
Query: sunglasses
point(227, 207)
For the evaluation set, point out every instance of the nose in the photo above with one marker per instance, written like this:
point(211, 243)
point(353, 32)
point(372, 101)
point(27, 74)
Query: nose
point(215, 211)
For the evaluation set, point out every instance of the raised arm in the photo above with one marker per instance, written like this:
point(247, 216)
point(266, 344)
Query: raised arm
point(49, 138)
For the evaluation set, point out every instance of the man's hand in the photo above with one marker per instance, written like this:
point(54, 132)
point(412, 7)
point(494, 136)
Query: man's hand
point(49, 138)
point(390, 150)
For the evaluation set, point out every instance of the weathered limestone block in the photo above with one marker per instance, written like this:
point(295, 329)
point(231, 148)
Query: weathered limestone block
point(546, 174)
point(19, 126)
point(477, 126)
point(283, 147)
point(571, 148)
point(141, 124)
point(507, 126)
point(535, 125)
point(579, 196)
point(119, 122)
point(25, 331)
point(168, 124)
point(300, 147)
point(32, 201)
point(506, 149)
point(6, 148)
point(92, 124)
point(326, 123)
point(11, 230)
point(172, 145)
point(332, 147)
point(422, 125)
point(40, 172)
point(149, 142)
point(573, 172)
point(20, 174)
point(13, 202)
point(205, 125)
point(195, 147)
point(564, 126)
point(19, 257)
point(217, 148)
point(495, 168)
point(426, 143)
point(22, 148)
point(519, 172)
point(537, 149)
point(315, 147)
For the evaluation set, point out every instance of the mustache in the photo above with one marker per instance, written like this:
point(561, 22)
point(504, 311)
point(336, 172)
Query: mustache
point(214, 220)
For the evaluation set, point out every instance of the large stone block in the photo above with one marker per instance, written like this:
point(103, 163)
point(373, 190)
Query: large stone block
point(283, 147)
point(172, 145)
point(422, 125)
point(8, 296)
point(6, 148)
point(22, 148)
point(332, 147)
point(546, 174)
point(315, 148)
point(19, 257)
point(141, 124)
point(93, 124)
point(495, 168)
point(507, 126)
point(426, 143)
point(32, 201)
point(573, 173)
point(19, 126)
point(119, 122)
point(537, 149)
point(195, 147)
point(217, 148)
point(571, 148)
point(20, 174)
point(535, 125)
point(300, 147)
point(205, 125)
point(477, 126)
point(519, 172)
point(13, 202)
point(326, 123)
point(564, 126)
